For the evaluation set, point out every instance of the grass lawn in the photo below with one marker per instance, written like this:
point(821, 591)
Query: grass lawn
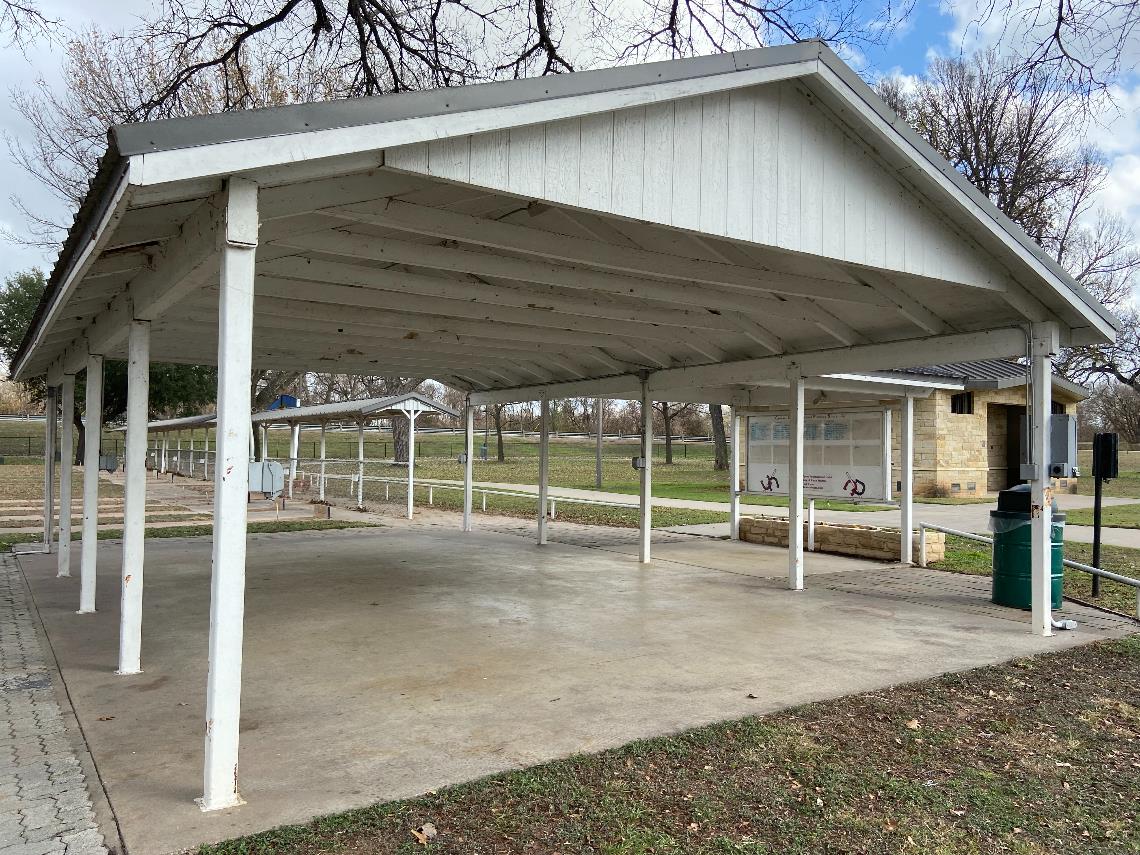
point(524, 507)
point(8, 540)
point(1126, 486)
point(967, 556)
point(26, 482)
point(1114, 516)
point(691, 479)
point(1034, 756)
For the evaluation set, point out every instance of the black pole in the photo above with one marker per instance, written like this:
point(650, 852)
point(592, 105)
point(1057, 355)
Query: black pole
point(1097, 481)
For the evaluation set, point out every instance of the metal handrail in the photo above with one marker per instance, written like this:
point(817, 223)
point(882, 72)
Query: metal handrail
point(433, 485)
point(1068, 562)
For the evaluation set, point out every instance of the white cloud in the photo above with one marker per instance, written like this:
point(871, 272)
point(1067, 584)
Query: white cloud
point(1121, 193)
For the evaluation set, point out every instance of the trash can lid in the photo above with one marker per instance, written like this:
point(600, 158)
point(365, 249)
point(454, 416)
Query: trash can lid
point(1019, 499)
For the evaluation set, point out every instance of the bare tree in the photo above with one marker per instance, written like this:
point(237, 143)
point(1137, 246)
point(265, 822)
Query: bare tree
point(720, 441)
point(1012, 132)
point(669, 414)
point(1086, 44)
point(666, 29)
point(377, 386)
point(1115, 407)
point(22, 22)
point(265, 386)
point(497, 414)
point(112, 80)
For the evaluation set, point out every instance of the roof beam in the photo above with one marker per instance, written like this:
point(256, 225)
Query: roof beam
point(830, 323)
point(184, 264)
point(498, 234)
point(446, 309)
point(908, 307)
point(540, 272)
point(867, 357)
point(541, 297)
point(380, 325)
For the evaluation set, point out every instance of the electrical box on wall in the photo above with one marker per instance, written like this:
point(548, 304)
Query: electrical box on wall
point(1062, 449)
point(1063, 446)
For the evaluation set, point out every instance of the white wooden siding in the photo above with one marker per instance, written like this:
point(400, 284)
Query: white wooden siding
point(763, 164)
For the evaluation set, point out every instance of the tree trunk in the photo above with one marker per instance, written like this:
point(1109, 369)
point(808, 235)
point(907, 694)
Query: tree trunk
point(502, 456)
point(400, 439)
point(80, 438)
point(257, 455)
point(667, 418)
point(720, 442)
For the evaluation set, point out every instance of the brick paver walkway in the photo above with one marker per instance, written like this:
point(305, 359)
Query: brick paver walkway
point(44, 805)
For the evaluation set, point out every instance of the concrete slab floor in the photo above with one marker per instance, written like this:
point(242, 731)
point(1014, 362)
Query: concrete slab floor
point(383, 663)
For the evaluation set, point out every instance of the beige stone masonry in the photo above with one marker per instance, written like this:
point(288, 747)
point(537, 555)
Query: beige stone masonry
point(856, 540)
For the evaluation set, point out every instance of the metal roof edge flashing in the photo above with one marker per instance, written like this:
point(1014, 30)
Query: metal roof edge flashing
point(192, 131)
point(861, 90)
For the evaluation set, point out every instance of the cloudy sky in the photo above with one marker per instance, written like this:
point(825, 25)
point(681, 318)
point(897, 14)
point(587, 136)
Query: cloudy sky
point(932, 28)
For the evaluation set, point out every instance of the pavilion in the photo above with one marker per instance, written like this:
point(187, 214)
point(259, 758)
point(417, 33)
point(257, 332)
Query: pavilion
point(700, 229)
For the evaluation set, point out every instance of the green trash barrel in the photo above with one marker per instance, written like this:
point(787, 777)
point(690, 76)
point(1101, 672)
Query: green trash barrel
point(1013, 550)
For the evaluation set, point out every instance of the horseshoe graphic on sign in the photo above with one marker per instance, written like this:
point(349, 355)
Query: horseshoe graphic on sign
point(854, 487)
point(770, 483)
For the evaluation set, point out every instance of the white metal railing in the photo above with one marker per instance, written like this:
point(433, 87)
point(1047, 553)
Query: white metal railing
point(1068, 562)
point(433, 485)
point(179, 462)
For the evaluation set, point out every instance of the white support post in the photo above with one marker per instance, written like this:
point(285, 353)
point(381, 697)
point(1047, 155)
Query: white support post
point(1044, 345)
point(178, 453)
point(734, 476)
point(263, 435)
point(796, 484)
point(645, 514)
point(206, 456)
point(360, 464)
point(50, 408)
point(811, 525)
point(888, 473)
point(598, 448)
point(134, 500)
point(162, 463)
point(468, 453)
point(543, 465)
point(92, 432)
point(906, 478)
point(66, 462)
point(231, 493)
point(412, 413)
point(294, 453)
point(321, 486)
point(191, 472)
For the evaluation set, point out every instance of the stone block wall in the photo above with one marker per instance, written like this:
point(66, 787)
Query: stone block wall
point(858, 541)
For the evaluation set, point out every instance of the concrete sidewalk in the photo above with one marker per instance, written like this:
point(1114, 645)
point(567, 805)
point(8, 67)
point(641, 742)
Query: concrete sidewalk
point(385, 662)
point(973, 517)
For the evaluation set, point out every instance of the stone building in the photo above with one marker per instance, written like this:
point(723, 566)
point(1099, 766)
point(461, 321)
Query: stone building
point(969, 424)
point(970, 442)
